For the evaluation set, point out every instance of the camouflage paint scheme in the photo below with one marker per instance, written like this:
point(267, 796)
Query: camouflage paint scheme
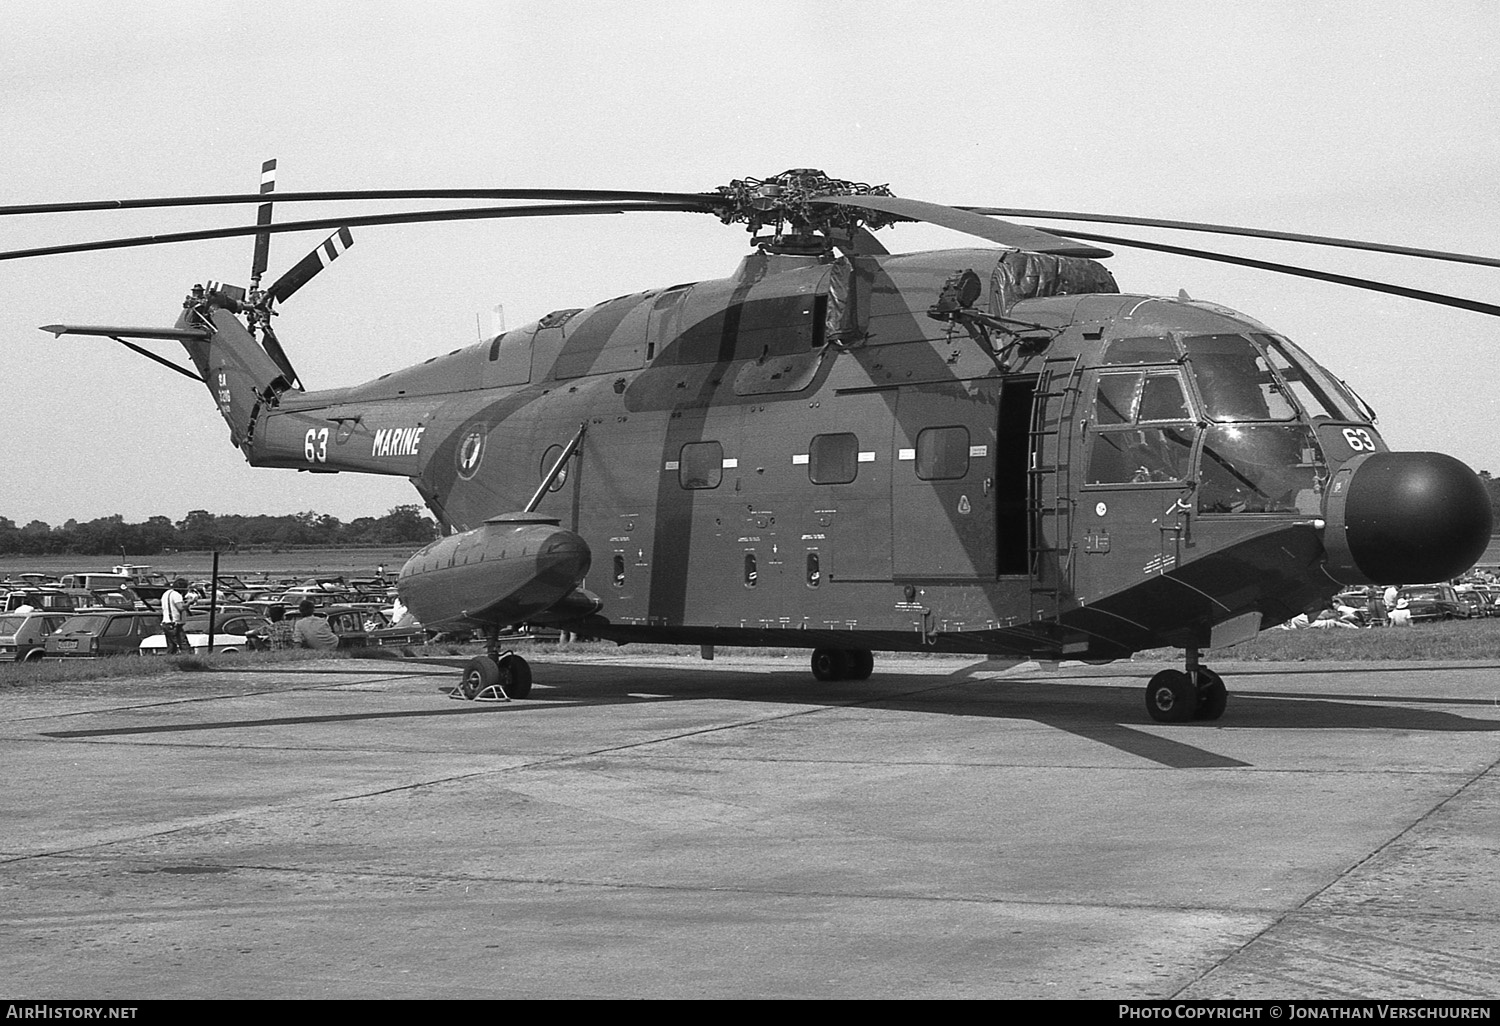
point(1018, 554)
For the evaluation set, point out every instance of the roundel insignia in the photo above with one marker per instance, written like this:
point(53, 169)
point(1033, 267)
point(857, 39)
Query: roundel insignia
point(470, 452)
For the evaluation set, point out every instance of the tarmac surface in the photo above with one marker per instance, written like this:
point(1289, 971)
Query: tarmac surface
point(669, 828)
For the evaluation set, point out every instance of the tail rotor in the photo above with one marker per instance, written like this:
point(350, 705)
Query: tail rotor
point(261, 302)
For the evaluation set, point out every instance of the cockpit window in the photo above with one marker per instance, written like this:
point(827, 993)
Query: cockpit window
point(1235, 379)
point(1124, 450)
point(1140, 350)
point(1129, 397)
point(1313, 387)
point(1260, 468)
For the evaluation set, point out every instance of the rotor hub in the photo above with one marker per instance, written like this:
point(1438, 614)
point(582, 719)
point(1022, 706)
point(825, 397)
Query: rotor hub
point(785, 204)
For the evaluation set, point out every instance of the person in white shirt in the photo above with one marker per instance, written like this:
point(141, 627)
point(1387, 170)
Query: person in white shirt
point(174, 613)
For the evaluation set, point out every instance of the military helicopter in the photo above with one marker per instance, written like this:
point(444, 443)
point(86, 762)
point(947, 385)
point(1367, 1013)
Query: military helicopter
point(987, 450)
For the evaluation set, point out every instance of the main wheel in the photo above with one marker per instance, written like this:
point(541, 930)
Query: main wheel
point(830, 663)
point(515, 676)
point(482, 672)
point(1212, 695)
point(861, 663)
point(1171, 697)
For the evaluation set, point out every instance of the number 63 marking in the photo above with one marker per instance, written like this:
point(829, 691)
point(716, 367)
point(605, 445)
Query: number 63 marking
point(315, 445)
point(1358, 438)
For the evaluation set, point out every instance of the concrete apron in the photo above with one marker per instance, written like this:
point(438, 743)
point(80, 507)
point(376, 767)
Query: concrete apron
point(663, 827)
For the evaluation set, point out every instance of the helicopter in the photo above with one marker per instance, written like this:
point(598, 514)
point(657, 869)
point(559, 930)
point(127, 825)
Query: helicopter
point(988, 450)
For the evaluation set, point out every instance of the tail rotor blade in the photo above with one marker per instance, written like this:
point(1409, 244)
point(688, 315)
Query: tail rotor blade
point(303, 270)
point(263, 218)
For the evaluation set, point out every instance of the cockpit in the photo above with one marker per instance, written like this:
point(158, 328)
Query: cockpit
point(1235, 413)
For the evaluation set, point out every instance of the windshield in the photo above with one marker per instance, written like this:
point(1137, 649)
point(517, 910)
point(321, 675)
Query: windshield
point(1235, 379)
point(1316, 391)
point(1260, 468)
point(10, 625)
point(83, 625)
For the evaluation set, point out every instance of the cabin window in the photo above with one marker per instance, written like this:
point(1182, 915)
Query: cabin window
point(619, 578)
point(814, 571)
point(548, 459)
point(943, 453)
point(751, 575)
point(701, 465)
point(833, 459)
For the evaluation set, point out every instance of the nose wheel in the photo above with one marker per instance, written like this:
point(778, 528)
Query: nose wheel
point(1177, 696)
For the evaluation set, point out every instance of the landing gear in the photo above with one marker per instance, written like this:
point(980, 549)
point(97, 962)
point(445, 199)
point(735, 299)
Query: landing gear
point(1171, 697)
point(861, 663)
point(1177, 696)
point(1212, 695)
point(843, 663)
point(495, 676)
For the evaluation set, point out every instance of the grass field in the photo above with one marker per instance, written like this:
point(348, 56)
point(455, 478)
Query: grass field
point(359, 562)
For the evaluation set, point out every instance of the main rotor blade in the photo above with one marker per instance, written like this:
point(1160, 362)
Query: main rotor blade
point(1369, 284)
point(572, 195)
point(263, 217)
point(1254, 233)
point(408, 217)
point(305, 269)
point(1006, 234)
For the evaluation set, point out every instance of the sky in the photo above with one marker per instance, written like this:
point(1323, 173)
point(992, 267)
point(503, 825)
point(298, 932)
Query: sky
point(1373, 121)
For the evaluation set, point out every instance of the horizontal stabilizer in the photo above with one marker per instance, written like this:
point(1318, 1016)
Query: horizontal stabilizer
point(108, 331)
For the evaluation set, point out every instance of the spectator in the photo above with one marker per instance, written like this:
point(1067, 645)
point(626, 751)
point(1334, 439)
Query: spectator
point(174, 611)
point(279, 633)
point(311, 630)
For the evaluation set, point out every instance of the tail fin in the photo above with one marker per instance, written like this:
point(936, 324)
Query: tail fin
point(241, 376)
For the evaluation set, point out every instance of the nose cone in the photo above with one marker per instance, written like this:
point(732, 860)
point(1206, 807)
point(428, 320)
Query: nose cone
point(564, 558)
point(1397, 517)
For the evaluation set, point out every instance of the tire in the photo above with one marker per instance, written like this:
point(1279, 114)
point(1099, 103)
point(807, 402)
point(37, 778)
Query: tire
point(861, 663)
point(482, 672)
point(1171, 697)
point(830, 663)
point(1213, 696)
point(34, 656)
point(515, 676)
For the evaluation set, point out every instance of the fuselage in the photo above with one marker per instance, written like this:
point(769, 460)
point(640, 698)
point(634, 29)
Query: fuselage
point(799, 454)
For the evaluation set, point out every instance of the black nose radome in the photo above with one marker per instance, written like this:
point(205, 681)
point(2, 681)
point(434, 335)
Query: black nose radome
point(1405, 517)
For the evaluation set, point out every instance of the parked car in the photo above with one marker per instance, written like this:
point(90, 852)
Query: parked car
point(235, 630)
point(22, 634)
point(361, 627)
point(234, 634)
point(1433, 602)
point(103, 632)
point(50, 600)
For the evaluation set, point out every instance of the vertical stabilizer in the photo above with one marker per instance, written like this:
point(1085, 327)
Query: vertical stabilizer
point(241, 376)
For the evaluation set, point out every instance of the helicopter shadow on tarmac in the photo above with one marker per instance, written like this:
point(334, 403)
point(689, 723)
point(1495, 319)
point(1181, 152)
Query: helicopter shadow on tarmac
point(1108, 714)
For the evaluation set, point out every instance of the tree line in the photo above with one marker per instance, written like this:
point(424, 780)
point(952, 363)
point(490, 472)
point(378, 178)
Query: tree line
point(202, 530)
